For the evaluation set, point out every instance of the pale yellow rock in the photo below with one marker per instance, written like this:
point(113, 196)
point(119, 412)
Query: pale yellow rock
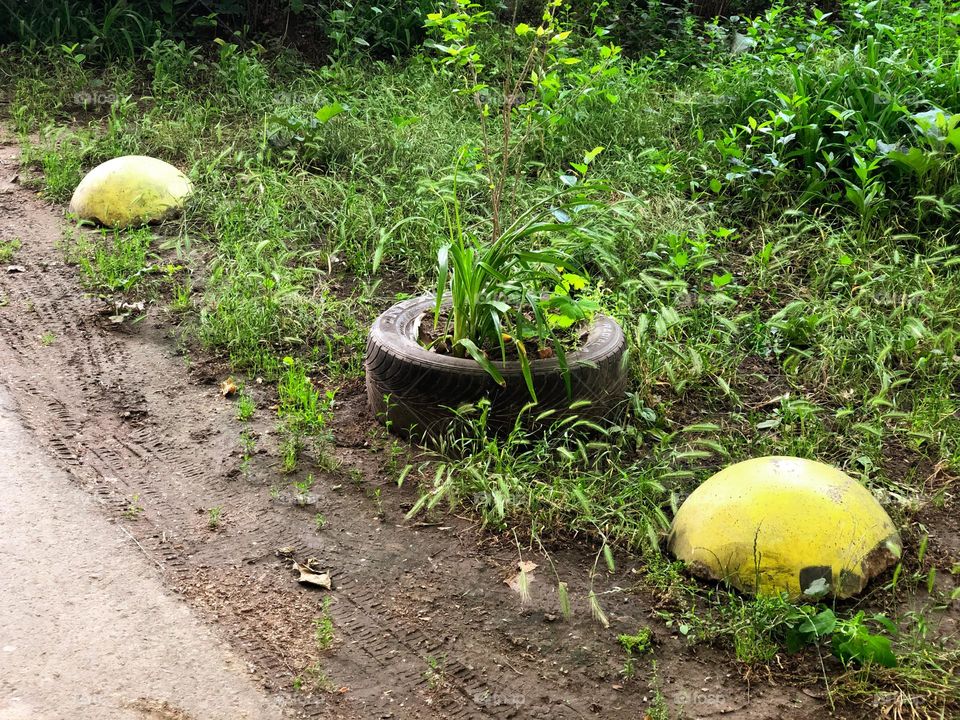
point(129, 191)
point(774, 525)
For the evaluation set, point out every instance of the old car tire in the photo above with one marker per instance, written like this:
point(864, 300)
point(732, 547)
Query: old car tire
point(415, 391)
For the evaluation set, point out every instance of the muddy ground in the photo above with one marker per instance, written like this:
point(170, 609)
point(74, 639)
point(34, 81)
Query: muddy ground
point(424, 623)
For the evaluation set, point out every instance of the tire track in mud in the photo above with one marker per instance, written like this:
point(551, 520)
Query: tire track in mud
point(121, 413)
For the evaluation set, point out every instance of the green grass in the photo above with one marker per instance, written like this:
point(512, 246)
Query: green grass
point(246, 407)
point(305, 414)
point(115, 261)
point(9, 248)
point(323, 627)
point(771, 306)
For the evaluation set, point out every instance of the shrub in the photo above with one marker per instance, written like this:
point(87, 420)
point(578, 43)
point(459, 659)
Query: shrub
point(846, 114)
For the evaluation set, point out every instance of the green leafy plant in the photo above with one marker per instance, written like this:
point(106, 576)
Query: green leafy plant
point(859, 128)
point(496, 290)
point(134, 509)
point(496, 279)
point(543, 75)
point(302, 489)
point(436, 672)
point(248, 444)
point(552, 482)
point(380, 27)
point(313, 678)
point(636, 644)
point(115, 261)
point(304, 412)
point(215, 517)
point(851, 639)
point(302, 133)
point(245, 406)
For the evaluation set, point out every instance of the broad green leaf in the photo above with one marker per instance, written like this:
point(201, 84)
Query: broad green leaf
point(328, 112)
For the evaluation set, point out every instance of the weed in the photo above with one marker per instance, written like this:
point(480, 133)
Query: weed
point(48, 338)
point(61, 163)
point(377, 496)
point(396, 460)
point(636, 644)
point(114, 261)
point(435, 674)
point(551, 481)
point(389, 27)
point(323, 628)
point(302, 490)
point(134, 509)
point(245, 407)
point(313, 679)
point(304, 414)
point(658, 708)
point(248, 446)
point(291, 446)
point(319, 521)
point(851, 639)
point(182, 300)
point(9, 248)
point(215, 517)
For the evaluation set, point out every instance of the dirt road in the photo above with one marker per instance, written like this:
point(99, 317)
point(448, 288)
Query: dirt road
point(86, 627)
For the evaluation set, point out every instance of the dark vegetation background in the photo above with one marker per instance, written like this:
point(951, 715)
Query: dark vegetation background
point(391, 28)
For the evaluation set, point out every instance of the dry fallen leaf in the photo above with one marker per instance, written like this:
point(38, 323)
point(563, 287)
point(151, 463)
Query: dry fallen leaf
point(228, 387)
point(309, 577)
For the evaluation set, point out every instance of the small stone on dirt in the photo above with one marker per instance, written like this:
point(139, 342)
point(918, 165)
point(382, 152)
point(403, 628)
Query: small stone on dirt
point(16, 269)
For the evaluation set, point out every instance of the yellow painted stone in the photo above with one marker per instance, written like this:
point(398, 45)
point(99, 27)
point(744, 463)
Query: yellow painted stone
point(131, 190)
point(775, 525)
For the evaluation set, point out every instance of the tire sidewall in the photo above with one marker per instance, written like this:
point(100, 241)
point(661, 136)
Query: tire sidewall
point(426, 387)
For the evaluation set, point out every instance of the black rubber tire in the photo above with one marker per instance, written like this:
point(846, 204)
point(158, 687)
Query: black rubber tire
point(424, 388)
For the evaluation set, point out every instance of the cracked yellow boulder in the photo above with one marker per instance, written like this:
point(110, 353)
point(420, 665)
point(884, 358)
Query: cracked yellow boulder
point(775, 525)
point(131, 190)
